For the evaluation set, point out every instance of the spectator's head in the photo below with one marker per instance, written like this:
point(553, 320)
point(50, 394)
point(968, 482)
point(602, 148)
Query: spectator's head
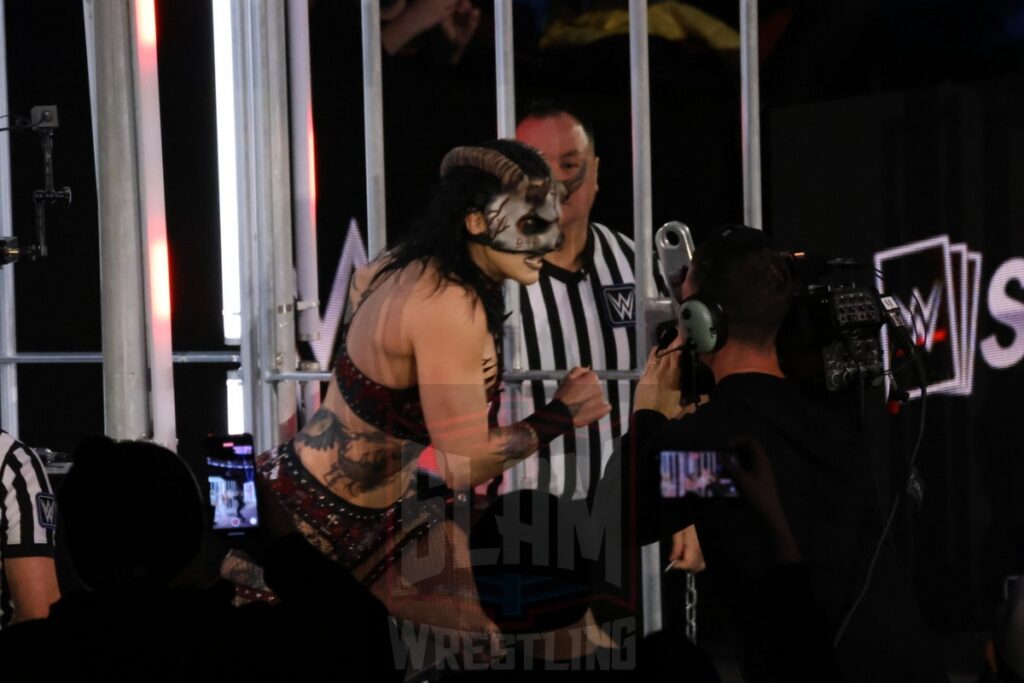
point(529, 570)
point(738, 273)
point(566, 140)
point(493, 215)
point(131, 514)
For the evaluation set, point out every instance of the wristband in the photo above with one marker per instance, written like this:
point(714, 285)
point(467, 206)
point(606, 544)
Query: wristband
point(551, 422)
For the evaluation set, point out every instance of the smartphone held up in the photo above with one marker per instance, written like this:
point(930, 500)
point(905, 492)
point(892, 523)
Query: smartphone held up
point(231, 472)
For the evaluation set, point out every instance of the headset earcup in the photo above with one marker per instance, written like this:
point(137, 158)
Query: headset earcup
point(704, 323)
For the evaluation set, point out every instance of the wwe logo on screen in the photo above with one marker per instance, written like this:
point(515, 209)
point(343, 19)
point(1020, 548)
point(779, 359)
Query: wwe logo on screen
point(619, 301)
point(921, 314)
point(936, 286)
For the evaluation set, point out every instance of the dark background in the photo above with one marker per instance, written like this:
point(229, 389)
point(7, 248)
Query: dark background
point(883, 123)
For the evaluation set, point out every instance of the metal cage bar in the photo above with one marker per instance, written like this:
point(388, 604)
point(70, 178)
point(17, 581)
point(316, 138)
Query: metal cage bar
point(8, 339)
point(373, 117)
point(750, 114)
point(125, 389)
point(303, 171)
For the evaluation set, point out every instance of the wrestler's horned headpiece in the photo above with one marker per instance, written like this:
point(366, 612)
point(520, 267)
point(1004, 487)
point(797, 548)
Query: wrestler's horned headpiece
point(523, 217)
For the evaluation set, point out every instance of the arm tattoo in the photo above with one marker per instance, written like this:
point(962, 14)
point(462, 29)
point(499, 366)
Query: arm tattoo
point(574, 408)
point(365, 472)
point(490, 368)
point(514, 442)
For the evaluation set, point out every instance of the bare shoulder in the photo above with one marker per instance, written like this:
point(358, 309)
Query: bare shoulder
point(363, 276)
point(435, 301)
point(362, 281)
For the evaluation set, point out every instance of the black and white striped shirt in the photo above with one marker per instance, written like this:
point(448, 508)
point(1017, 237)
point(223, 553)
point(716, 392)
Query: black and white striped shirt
point(28, 512)
point(587, 319)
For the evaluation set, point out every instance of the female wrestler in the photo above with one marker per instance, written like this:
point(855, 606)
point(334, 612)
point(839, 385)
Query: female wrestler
point(419, 362)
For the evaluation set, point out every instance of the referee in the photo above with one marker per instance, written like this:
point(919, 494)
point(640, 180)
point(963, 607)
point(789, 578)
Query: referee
point(28, 519)
point(582, 311)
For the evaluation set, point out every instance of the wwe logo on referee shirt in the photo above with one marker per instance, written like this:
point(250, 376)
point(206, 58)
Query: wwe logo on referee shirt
point(619, 301)
point(46, 509)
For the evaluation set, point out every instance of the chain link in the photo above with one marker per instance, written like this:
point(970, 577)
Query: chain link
point(691, 607)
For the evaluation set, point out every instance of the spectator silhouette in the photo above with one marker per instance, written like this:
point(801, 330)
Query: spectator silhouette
point(133, 520)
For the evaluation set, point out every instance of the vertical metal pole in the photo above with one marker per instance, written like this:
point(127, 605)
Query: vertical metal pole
point(88, 13)
point(642, 212)
point(264, 211)
point(279, 354)
point(504, 68)
point(303, 170)
point(8, 338)
point(643, 235)
point(125, 386)
point(373, 118)
point(155, 262)
point(750, 114)
point(247, 43)
point(505, 87)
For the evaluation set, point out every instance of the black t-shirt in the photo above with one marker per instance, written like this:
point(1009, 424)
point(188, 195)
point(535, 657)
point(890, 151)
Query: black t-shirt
point(822, 467)
point(822, 470)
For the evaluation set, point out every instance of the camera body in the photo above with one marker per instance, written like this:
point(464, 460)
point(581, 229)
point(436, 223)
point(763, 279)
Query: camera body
point(830, 340)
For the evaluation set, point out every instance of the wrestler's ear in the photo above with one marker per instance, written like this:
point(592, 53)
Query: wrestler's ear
point(476, 223)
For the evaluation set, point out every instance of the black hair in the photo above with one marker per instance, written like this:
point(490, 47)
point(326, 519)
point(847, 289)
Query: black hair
point(551, 107)
point(739, 268)
point(440, 237)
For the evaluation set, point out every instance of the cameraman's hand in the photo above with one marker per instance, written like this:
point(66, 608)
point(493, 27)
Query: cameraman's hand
point(686, 553)
point(755, 479)
point(658, 389)
point(582, 392)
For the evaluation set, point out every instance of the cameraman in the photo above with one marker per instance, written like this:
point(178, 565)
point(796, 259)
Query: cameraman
point(738, 291)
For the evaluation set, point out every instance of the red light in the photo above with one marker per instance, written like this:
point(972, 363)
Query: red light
point(939, 335)
point(160, 280)
point(428, 460)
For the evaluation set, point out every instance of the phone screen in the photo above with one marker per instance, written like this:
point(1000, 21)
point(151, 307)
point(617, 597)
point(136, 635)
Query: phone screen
point(231, 471)
point(698, 473)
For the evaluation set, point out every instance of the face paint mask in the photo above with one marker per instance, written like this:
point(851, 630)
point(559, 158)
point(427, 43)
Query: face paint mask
point(518, 226)
point(523, 217)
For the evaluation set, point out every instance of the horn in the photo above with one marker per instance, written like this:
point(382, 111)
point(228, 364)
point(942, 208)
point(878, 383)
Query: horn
point(487, 160)
point(537, 189)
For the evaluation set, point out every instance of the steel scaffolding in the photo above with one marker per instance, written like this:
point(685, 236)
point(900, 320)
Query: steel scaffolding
point(266, 72)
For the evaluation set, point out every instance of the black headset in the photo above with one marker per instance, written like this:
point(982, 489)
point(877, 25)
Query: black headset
point(701, 315)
